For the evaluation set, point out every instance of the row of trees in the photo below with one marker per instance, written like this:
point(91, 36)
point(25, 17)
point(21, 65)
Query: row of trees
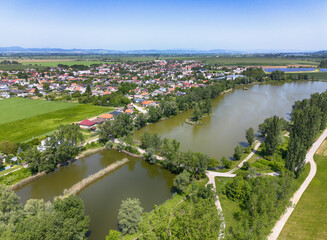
point(309, 117)
point(39, 220)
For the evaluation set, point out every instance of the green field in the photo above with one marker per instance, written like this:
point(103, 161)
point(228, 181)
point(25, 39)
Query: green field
point(308, 220)
point(38, 125)
point(13, 109)
point(55, 63)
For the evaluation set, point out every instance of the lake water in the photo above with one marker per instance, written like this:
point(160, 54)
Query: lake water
point(289, 69)
point(233, 113)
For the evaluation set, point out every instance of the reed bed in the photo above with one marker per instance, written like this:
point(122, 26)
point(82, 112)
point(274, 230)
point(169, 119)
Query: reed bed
point(76, 188)
point(26, 181)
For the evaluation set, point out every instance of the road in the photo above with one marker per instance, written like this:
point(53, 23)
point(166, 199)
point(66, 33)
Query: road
point(297, 195)
point(142, 110)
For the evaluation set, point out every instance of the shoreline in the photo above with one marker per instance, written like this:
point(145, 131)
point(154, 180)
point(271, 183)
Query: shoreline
point(26, 181)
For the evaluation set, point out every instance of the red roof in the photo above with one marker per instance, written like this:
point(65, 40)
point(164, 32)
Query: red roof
point(86, 122)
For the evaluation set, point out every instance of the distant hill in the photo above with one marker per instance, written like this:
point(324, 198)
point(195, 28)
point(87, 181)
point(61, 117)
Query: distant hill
point(18, 50)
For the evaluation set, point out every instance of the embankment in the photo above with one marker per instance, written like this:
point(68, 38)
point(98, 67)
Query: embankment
point(26, 181)
point(76, 188)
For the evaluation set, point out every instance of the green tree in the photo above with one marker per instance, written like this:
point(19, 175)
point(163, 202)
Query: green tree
point(227, 163)
point(155, 114)
point(238, 152)
point(249, 135)
point(113, 235)
point(196, 113)
point(181, 181)
point(8, 147)
point(129, 216)
point(146, 140)
point(140, 121)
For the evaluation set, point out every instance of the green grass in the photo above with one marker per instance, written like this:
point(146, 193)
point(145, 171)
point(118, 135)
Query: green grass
point(14, 109)
point(10, 170)
point(14, 177)
point(308, 220)
point(28, 128)
point(229, 207)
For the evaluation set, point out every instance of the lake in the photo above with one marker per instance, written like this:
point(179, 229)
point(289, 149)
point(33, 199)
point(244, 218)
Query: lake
point(233, 113)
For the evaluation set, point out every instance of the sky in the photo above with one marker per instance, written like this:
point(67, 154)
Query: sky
point(165, 24)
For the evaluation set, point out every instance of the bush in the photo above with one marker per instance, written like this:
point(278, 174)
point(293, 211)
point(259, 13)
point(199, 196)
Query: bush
point(109, 144)
point(227, 163)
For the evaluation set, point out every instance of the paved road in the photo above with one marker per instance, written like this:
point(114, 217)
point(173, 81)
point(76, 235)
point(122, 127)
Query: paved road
point(297, 195)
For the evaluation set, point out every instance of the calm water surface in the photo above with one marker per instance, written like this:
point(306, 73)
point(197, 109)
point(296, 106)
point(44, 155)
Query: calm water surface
point(233, 113)
point(137, 179)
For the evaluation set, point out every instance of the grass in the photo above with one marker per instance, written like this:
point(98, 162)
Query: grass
point(19, 108)
point(15, 177)
point(10, 170)
point(308, 220)
point(229, 207)
point(32, 127)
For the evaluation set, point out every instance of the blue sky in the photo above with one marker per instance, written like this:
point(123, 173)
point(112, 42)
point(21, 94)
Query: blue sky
point(165, 24)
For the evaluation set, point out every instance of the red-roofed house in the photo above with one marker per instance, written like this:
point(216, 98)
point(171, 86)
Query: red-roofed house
point(86, 123)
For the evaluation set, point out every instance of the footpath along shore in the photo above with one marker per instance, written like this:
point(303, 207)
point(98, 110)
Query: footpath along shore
point(297, 195)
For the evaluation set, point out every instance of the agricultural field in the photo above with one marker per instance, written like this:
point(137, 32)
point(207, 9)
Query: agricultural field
point(316, 75)
point(48, 63)
point(14, 109)
point(38, 123)
point(308, 220)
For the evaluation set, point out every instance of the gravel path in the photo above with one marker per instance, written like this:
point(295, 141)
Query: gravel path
point(297, 195)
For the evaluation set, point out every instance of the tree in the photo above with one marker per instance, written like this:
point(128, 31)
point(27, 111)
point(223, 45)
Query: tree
point(238, 152)
point(274, 135)
point(8, 147)
point(146, 140)
point(88, 90)
point(155, 114)
point(113, 235)
point(227, 163)
point(140, 121)
point(196, 113)
point(181, 181)
point(249, 135)
point(129, 215)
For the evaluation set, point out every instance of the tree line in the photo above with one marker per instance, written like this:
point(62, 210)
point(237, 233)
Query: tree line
point(37, 219)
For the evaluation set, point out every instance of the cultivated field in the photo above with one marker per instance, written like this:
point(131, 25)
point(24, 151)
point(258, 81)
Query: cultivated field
point(54, 63)
point(38, 124)
point(13, 109)
point(308, 220)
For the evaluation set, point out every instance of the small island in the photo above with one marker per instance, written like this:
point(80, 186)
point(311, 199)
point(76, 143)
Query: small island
point(200, 110)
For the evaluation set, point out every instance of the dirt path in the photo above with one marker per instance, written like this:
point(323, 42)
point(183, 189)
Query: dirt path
point(248, 157)
point(297, 195)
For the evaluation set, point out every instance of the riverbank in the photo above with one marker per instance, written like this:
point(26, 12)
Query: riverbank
point(27, 180)
point(76, 188)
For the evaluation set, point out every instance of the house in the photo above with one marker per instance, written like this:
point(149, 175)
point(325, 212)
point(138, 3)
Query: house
point(107, 116)
point(98, 120)
point(129, 111)
point(115, 113)
point(149, 103)
point(86, 123)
